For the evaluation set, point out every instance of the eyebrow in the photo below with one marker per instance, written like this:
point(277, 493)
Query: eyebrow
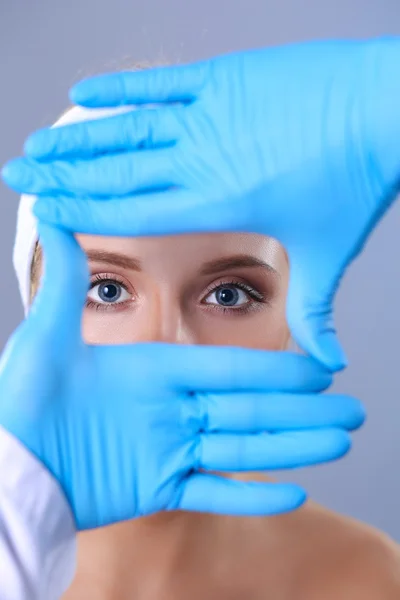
point(209, 268)
point(114, 258)
point(235, 262)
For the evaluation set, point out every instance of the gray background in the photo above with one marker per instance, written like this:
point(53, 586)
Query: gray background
point(46, 45)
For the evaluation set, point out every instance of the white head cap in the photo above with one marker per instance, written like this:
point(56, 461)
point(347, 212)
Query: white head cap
point(26, 235)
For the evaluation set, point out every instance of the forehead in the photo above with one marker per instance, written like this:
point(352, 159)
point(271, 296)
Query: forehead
point(189, 250)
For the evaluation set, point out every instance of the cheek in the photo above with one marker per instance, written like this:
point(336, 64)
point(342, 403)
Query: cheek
point(108, 329)
point(266, 330)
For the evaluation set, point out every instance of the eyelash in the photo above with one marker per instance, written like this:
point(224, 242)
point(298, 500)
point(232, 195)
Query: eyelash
point(254, 294)
point(101, 278)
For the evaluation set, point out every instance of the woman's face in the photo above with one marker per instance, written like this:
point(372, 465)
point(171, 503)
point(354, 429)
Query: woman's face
point(217, 289)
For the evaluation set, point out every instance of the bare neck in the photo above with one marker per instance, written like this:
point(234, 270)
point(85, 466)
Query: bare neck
point(149, 554)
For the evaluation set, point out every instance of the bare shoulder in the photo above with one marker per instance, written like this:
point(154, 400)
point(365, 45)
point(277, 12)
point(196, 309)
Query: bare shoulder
point(365, 563)
point(374, 572)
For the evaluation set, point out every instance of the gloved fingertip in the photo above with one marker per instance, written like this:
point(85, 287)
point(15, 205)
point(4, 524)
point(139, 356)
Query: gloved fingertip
point(74, 94)
point(34, 146)
point(330, 353)
point(297, 496)
point(14, 174)
point(81, 94)
point(6, 172)
point(359, 416)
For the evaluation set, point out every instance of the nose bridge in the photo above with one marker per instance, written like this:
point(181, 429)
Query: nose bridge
point(166, 318)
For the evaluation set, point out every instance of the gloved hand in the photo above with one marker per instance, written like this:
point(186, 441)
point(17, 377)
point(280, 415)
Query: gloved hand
point(299, 142)
point(126, 430)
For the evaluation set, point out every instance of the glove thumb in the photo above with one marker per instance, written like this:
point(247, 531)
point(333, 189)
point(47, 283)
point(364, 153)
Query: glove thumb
point(57, 308)
point(310, 311)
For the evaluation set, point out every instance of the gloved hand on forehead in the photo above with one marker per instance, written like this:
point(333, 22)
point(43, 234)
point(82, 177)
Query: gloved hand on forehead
point(299, 142)
point(128, 430)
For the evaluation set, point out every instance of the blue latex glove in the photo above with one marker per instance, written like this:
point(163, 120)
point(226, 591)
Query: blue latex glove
point(300, 142)
point(126, 430)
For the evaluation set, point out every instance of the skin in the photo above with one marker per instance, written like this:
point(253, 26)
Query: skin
point(169, 294)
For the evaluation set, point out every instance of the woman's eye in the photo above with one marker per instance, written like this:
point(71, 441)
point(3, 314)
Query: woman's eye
point(228, 296)
point(108, 292)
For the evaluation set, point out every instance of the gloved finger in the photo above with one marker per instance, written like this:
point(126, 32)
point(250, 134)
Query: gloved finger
point(268, 451)
point(161, 84)
point(208, 493)
point(174, 211)
point(145, 128)
point(309, 308)
point(275, 412)
point(101, 177)
point(234, 369)
point(196, 369)
point(57, 308)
